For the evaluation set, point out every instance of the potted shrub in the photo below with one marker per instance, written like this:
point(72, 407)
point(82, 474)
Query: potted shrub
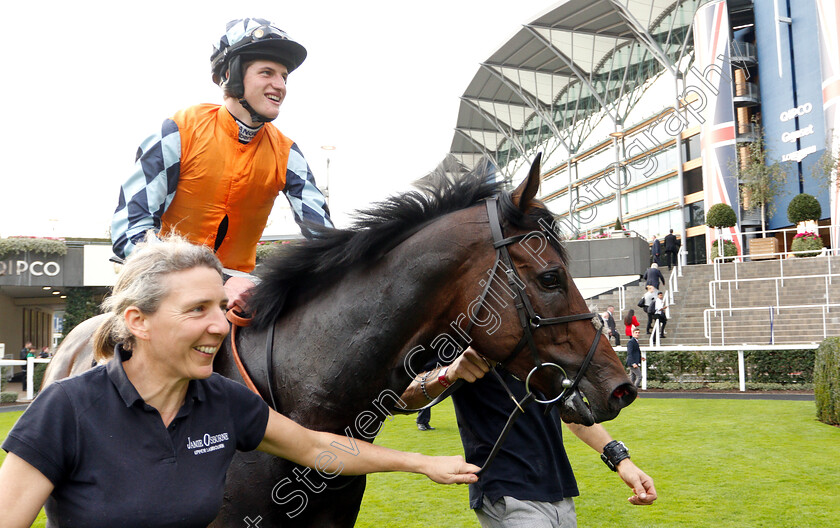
point(806, 244)
point(729, 249)
point(804, 211)
point(618, 229)
point(721, 216)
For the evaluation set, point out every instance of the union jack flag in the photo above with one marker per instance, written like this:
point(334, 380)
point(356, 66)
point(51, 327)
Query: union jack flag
point(717, 132)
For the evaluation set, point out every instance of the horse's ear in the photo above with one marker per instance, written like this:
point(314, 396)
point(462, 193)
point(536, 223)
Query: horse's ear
point(527, 190)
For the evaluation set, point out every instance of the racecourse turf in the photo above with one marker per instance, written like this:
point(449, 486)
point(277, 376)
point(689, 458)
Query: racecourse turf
point(716, 463)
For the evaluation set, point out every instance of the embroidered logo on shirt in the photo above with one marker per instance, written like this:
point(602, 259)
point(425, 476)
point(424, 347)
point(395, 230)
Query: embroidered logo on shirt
point(207, 443)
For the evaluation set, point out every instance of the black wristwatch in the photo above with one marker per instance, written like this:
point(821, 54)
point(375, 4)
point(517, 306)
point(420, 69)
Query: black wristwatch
point(614, 452)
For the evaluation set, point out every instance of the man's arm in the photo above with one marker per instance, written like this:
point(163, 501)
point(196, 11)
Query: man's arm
point(596, 437)
point(469, 366)
point(149, 190)
point(307, 201)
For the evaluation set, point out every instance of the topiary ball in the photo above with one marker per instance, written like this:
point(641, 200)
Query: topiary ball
point(721, 215)
point(803, 207)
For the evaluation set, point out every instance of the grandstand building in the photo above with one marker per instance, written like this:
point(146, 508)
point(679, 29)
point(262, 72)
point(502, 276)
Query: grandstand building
point(640, 108)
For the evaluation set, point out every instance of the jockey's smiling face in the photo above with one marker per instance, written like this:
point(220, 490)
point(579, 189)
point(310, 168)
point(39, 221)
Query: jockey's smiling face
point(265, 86)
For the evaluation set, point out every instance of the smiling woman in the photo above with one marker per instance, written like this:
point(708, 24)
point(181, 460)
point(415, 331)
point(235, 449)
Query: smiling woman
point(154, 414)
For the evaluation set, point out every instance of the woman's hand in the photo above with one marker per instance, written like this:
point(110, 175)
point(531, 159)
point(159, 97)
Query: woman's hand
point(449, 470)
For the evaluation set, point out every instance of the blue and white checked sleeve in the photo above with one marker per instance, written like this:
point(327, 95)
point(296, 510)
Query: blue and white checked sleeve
point(147, 193)
point(307, 201)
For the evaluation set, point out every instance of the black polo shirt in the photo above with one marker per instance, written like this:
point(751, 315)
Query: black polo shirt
point(532, 463)
point(112, 461)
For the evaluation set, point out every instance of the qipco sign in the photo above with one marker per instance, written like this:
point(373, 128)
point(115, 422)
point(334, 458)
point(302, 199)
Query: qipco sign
point(793, 113)
point(35, 268)
point(31, 271)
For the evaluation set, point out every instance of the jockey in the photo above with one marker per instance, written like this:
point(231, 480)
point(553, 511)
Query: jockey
point(212, 172)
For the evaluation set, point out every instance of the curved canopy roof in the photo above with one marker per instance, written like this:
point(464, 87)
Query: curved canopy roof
point(566, 71)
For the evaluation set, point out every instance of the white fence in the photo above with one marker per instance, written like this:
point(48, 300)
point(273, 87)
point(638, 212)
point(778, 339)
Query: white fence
point(30, 371)
point(742, 383)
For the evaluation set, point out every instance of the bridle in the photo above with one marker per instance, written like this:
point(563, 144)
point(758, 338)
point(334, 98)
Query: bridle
point(529, 320)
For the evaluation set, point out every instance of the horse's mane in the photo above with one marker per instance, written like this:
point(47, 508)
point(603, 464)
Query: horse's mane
point(309, 264)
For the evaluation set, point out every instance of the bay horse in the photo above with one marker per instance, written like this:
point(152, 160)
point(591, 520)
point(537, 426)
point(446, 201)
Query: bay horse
point(343, 322)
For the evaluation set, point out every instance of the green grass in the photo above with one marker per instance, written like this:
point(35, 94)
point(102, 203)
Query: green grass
point(716, 463)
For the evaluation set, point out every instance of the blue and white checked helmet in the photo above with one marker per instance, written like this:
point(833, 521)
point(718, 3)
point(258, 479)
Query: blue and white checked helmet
point(251, 39)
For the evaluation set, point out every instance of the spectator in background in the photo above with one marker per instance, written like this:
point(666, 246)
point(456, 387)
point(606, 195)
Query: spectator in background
point(653, 277)
point(672, 247)
point(655, 250)
point(634, 358)
point(24, 353)
point(610, 321)
point(423, 418)
point(630, 322)
point(648, 301)
point(660, 305)
point(45, 352)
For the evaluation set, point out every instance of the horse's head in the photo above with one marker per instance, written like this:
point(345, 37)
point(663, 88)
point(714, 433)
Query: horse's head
point(532, 317)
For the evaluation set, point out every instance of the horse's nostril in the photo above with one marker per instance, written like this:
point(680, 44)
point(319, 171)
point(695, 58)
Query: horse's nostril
point(622, 391)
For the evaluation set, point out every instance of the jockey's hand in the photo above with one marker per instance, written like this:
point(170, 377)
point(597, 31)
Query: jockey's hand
point(237, 290)
point(469, 366)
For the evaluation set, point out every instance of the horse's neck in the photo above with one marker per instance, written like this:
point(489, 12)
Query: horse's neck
point(350, 341)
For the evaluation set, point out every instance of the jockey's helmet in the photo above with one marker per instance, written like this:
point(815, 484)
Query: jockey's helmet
point(250, 39)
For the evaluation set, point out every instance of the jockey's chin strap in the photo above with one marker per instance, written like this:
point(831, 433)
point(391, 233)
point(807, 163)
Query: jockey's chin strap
point(529, 321)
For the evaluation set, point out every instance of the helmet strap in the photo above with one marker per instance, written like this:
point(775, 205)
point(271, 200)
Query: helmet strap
point(255, 116)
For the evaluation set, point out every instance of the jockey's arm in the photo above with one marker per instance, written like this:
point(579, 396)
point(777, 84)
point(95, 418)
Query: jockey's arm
point(308, 203)
point(148, 190)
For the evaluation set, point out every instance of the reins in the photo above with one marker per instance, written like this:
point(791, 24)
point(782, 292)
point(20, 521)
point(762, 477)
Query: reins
point(529, 321)
point(528, 318)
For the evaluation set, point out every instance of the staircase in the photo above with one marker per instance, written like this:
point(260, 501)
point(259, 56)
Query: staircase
point(752, 324)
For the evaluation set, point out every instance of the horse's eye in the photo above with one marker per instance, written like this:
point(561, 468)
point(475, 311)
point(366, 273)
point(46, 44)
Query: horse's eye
point(550, 279)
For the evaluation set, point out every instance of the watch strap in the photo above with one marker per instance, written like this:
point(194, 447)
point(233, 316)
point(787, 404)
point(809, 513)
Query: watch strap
point(442, 378)
point(614, 452)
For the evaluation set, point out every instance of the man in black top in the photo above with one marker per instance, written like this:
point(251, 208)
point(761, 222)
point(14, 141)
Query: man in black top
point(530, 482)
point(655, 250)
point(24, 352)
point(672, 246)
point(653, 277)
point(610, 320)
point(634, 358)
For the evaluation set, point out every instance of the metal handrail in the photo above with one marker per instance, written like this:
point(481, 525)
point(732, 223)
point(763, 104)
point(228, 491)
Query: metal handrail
point(779, 281)
point(717, 261)
point(707, 317)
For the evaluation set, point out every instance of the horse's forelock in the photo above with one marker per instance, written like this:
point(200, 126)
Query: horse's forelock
point(535, 218)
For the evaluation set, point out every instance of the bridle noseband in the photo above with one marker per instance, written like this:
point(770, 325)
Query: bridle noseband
point(530, 321)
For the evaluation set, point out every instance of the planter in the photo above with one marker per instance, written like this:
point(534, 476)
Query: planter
point(760, 248)
point(807, 244)
point(807, 226)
